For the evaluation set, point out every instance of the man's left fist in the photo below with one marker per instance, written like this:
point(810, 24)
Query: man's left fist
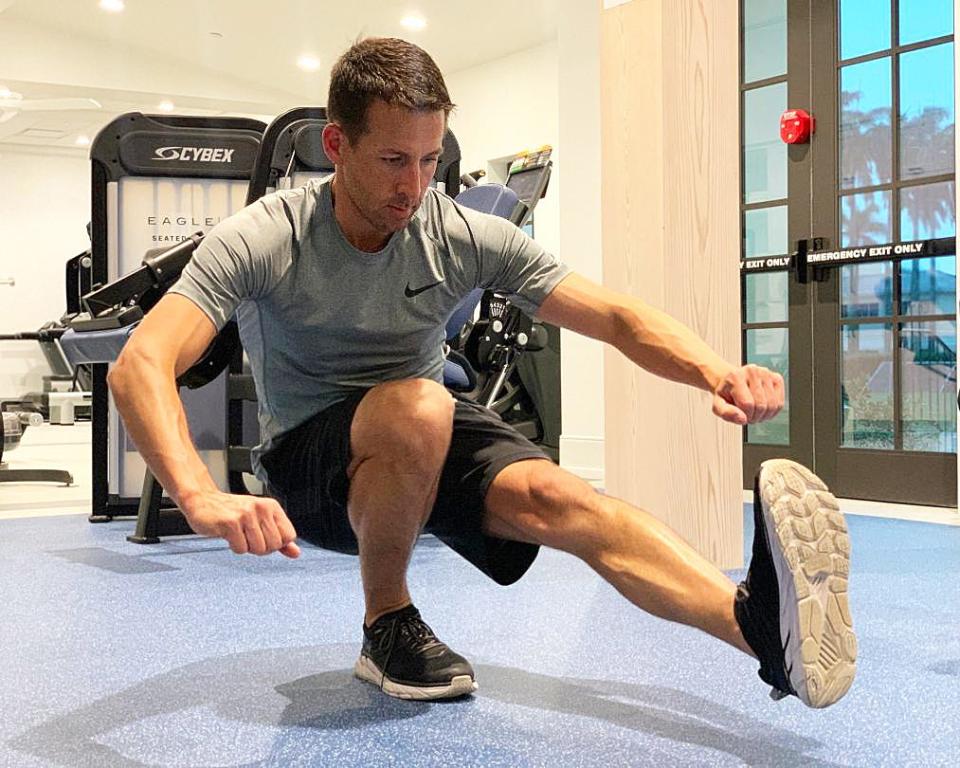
point(748, 395)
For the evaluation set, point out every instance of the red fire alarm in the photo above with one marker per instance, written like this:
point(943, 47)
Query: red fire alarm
point(796, 126)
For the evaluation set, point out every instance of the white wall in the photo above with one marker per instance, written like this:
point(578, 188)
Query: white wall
point(506, 106)
point(44, 209)
point(45, 192)
point(550, 95)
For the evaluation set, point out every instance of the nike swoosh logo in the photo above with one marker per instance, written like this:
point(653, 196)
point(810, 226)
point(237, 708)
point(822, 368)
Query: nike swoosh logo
point(788, 667)
point(410, 292)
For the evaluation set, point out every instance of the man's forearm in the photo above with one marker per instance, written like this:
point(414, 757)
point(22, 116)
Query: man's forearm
point(153, 415)
point(667, 348)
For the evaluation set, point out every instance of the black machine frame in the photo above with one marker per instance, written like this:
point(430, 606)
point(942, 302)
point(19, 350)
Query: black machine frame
point(130, 146)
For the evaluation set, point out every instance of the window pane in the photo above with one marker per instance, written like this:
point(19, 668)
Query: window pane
point(926, 112)
point(866, 393)
point(770, 348)
point(928, 211)
point(765, 232)
point(864, 27)
point(765, 155)
point(865, 219)
point(767, 297)
point(924, 20)
point(866, 140)
point(928, 369)
point(764, 39)
point(929, 286)
point(866, 290)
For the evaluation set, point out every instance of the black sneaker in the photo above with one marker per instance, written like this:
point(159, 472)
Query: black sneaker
point(403, 658)
point(792, 608)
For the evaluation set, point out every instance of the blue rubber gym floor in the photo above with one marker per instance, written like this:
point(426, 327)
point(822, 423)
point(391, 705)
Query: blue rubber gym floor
point(183, 654)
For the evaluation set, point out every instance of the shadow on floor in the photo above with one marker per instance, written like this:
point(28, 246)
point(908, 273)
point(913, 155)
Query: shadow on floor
point(313, 709)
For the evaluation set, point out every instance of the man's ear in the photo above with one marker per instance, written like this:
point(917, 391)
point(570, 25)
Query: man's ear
point(334, 142)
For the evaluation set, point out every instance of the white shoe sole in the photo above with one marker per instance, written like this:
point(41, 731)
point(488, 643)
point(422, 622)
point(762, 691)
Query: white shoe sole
point(811, 553)
point(366, 670)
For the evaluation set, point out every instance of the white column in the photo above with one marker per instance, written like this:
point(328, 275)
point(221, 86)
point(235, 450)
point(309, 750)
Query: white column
point(578, 34)
point(671, 234)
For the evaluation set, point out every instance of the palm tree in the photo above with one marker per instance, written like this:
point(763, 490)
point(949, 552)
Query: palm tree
point(927, 148)
point(864, 222)
point(866, 142)
point(930, 209)
point(926, 143)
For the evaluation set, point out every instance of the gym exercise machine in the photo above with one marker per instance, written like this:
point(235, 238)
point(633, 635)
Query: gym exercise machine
point(13, 424)
point(156, 181)
point(493, 351)
point(66, 389)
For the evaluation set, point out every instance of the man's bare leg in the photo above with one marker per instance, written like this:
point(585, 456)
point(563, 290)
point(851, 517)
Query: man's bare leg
point(399, 440)
point(641, 557)
point(791, 612)
point(400, 436)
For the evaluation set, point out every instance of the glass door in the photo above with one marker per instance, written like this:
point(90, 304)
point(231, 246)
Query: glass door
point(869, 341)
point(775, 308)
point(889, 326)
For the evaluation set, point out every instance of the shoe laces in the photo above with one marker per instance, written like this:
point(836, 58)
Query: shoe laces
point(416, 631)
point(410, 626)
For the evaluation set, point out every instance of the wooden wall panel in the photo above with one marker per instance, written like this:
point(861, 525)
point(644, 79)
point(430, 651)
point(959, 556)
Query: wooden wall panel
point(670, 133)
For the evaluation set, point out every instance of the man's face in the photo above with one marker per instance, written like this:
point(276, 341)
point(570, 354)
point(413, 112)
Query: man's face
point(386, 171)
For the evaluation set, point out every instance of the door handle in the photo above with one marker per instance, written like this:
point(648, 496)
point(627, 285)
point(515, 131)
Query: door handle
point(804, 272)
point(11, 281)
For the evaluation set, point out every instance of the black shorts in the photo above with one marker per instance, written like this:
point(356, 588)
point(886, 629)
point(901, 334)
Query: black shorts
point(307, 474)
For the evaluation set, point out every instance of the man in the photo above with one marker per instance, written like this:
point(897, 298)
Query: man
point(342, 288)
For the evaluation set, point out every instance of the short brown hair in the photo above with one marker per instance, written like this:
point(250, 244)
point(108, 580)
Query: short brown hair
point(387, 68)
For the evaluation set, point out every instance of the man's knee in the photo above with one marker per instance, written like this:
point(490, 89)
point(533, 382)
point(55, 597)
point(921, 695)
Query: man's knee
point(410, 419)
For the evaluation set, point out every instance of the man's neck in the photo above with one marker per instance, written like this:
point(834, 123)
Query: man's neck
point(354, 226)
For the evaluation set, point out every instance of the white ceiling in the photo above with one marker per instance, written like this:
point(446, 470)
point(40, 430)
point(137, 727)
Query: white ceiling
point(258, 45)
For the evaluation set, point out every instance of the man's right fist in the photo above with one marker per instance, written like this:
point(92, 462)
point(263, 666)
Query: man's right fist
point(253, 524)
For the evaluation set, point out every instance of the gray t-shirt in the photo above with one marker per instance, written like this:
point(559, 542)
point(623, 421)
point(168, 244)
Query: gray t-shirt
point(319, 318)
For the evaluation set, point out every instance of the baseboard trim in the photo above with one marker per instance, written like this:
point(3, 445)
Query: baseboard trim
point(911, 512)
point(583, 456)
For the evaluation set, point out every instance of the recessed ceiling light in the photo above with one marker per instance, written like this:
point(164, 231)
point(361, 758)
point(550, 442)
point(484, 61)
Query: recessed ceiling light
point(413, 21)
point(308, 63)
point(83, 141)
point(112, 6)
point(165, 106)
